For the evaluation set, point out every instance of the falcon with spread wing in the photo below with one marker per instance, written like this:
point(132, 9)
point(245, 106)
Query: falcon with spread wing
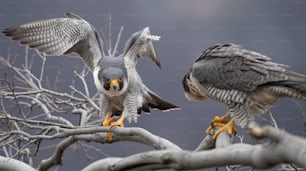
point(248, 83)
point(116, 78)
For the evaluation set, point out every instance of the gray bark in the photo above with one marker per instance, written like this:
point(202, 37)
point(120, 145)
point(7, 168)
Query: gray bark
point(9, 164)
point(282, 148)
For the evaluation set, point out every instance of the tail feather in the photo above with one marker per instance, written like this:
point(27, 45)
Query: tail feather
point(289, 89)
point(297, 82)
point(159, 103)
point(152, 101)
point(286, 83)
point(300, 88)
point(295, 77)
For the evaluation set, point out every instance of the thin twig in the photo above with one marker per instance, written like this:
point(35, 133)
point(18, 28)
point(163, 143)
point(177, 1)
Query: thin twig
point(117, 41)
point(109, 34)
point(42, 68)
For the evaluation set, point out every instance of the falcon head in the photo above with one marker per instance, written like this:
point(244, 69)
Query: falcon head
point(113, 81)
point(141, 45)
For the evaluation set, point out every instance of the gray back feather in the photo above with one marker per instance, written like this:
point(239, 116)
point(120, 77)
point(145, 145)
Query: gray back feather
point(228, 66)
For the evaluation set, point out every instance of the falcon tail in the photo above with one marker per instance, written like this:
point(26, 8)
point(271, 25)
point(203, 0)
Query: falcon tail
point(161, 104)
point(297, 82)
point(293, 89)
point(294, 86)
point(153, 101)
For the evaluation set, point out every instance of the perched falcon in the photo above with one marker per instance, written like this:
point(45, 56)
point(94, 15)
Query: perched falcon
point(115, 77)
point(248, 83)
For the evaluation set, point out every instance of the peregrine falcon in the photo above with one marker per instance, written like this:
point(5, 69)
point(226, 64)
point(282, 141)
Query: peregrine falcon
point(116, 78)
point(248, 83)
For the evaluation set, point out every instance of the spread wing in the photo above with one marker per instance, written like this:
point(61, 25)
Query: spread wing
point(229, 66)
point(60, 36)
point(140, 44)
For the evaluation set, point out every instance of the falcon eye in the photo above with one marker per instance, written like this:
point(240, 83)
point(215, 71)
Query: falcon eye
point(108, 80)
point(120, 79)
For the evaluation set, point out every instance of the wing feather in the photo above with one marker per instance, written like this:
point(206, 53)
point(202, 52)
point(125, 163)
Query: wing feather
point(140, 45)
point(60, 36)
point(229, 66)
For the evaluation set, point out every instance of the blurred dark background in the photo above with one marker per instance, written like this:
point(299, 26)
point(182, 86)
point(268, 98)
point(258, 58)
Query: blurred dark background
point(276, 28)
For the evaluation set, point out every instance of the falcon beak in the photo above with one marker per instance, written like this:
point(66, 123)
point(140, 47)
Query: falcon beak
point(114, 84)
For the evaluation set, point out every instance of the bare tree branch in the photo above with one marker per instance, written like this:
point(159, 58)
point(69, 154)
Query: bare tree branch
point(121, 134)
point(9, 164)
point(258, 156)
point(117, 41)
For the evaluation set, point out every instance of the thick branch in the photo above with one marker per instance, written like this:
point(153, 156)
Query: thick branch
point(9, 164)
point(56, 158)
point(120, 134)
point(283, 148)
point(207, 143)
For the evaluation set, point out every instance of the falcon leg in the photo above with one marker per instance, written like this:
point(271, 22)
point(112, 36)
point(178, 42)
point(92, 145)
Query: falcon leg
point(119, 122)
point(226, 124)
point(107, 122)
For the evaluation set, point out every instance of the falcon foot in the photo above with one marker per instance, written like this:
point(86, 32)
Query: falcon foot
point(225, 123)
point(119, 122)
point(109, 121)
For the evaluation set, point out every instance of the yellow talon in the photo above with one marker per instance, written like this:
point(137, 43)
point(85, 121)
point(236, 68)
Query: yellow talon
point(108, 122)
point(119, 122)
point(225, 123)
